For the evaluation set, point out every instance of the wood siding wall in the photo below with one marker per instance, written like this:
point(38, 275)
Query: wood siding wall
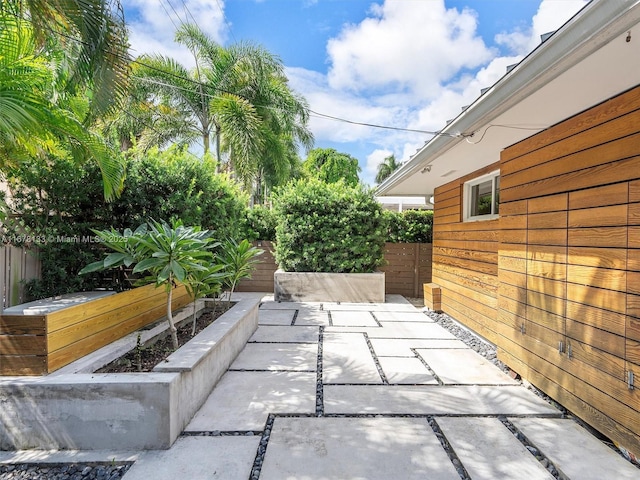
point(408, 267)
point(465, 260)
point(567, 297)
point(39, 344)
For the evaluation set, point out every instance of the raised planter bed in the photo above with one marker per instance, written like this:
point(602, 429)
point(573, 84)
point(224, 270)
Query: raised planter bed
point(40, 337)
point(328, 287)
point(124, 411)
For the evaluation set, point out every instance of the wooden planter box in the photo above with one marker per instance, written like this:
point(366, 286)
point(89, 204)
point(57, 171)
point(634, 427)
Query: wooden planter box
point(328, 287)
point(38, 342)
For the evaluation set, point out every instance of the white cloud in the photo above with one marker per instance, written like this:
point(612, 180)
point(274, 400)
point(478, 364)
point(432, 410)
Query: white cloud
point(373, 160)
point(410, 46)
point(151, 29)
point(411, 65)
point(551, 15)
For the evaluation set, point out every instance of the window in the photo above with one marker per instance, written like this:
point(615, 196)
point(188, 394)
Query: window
point(482, 197)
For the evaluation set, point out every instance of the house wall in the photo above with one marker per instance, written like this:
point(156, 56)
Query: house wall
point(465, 260)
point(567, 315)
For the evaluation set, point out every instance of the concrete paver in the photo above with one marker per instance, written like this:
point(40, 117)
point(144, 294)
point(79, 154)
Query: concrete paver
point(355, 448)
point(281, 334)
point(243, 400)
point(277, 356)
point(276, 374)
point(308, 316)
point(370, 307)
point(271, 305)
point(394, 347)
point(410, 330)
point(402, 317)
point(275, 317)
point(198, 458)
point(464, 367)
point(574, 451)
point(346, 358)
point(404, 370)
point(353, 319)
point(434, 400)
point(489, 451)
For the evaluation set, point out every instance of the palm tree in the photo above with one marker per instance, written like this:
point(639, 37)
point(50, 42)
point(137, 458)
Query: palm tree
point(386, 168)
point(236, 98)
point(31, 123)
point(93, 33)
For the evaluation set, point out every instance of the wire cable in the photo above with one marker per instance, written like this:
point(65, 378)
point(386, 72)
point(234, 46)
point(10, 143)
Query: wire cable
point(514, 127)
point(386, 127)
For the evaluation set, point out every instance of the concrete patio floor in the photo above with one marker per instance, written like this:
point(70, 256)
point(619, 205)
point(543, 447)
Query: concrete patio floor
point(366, 391)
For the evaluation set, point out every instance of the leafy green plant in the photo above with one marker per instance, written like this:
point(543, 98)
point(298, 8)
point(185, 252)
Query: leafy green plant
point(410, 226)
point(126, 246)
point(60, 204)
point(174, 184)
point(203, 283)
point(328, 228)
point(331, 166)
point(175, 251)
point(239, 259)
point(167, 253)
point(261, 224)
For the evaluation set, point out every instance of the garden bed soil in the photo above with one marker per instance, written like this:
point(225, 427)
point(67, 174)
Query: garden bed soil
point(143, 358)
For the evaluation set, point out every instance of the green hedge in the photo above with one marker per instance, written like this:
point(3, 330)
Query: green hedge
point(328, 228)
point(58, 203)
point(260, 224)
point(410, 226)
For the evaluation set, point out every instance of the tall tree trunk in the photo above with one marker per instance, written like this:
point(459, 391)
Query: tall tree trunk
point(205, 142)
point(218, 159)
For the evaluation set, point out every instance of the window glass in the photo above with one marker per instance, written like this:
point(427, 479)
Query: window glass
point(481, 198)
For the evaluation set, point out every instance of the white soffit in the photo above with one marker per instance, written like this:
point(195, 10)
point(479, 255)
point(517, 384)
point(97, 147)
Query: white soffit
point(601, 65)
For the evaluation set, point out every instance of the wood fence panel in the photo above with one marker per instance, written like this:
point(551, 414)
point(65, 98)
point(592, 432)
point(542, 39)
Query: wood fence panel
point(407, 268)
point(17, 265)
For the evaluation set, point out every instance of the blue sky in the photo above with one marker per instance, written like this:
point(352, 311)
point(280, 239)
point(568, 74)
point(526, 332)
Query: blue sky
point(399, 63)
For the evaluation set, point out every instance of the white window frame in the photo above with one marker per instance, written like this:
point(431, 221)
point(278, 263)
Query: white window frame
point(467, 197)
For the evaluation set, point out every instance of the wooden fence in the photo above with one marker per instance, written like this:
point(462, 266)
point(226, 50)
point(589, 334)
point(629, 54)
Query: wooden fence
point(407, 267)
point(17, 265)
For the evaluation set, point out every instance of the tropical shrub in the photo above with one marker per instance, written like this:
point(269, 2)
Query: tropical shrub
point(239, 259)
point(167, 253)
point(260, 224)
point(328, 228)
point(58, 204)
point(410, 226)
point(175, 184)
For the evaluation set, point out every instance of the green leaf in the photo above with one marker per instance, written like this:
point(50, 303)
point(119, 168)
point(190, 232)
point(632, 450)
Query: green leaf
point(92, 267)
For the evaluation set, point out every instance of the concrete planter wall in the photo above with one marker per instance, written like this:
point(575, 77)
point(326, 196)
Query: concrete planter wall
point(124, 411)
point(328, 287)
